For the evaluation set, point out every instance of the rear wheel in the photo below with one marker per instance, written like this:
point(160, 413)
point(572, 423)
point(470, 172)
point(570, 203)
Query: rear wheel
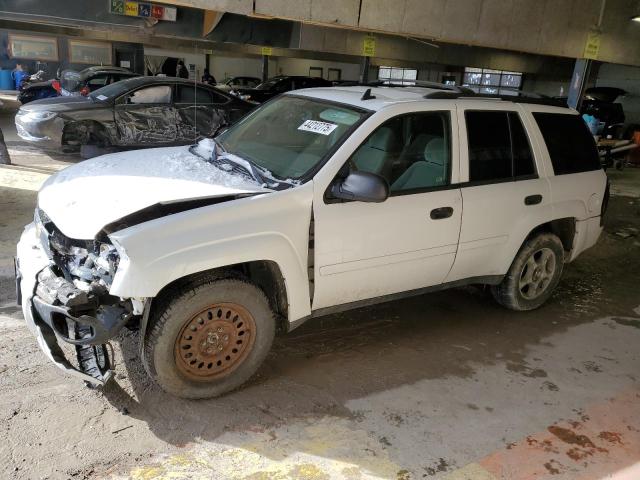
point(209, 338)
point(534, 274)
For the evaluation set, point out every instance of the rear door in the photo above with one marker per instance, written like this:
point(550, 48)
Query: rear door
point(146, 116)
point(506, 193)
point(196, 113)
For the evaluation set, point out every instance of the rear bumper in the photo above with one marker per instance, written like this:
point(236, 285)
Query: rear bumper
point(587, 233)
point(39, 315)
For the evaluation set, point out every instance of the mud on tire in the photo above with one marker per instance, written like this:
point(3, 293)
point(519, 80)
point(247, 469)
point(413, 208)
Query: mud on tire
point(206, 339)
point(533, 275)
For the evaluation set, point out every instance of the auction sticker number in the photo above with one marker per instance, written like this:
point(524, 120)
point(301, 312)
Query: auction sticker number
point(323, 128)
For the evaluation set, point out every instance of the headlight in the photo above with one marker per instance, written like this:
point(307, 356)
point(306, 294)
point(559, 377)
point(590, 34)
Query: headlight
point(36, 116)
point(245, 97)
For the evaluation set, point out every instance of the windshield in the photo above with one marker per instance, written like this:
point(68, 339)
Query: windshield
point(290, 135)
point(109, 91)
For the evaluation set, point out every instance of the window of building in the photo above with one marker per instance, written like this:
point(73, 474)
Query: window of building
point(316, 72)
point(397, 75)
point(94, 53)
point(498, 147)
point(33, 48)
point(334, 74)
point(492, 82)
point(569, 142)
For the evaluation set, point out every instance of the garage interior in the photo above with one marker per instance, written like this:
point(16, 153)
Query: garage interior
point(444, 385)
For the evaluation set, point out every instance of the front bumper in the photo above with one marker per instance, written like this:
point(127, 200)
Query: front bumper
point(44, 133)
point(44, 319)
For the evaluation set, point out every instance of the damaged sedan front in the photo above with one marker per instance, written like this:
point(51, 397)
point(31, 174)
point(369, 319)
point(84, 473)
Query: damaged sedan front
point(133, 113)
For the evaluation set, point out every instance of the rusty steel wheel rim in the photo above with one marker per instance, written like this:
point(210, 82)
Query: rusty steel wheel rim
point(215, 341)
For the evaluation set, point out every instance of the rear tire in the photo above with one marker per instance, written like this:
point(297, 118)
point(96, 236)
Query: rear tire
point(208, 339)
point(533, 275)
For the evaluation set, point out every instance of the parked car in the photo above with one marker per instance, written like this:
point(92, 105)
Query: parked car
point(72, 83)
point(137, 112)
point(319, 201)
point(232, 83)
point(90, 79)
point(278, 85)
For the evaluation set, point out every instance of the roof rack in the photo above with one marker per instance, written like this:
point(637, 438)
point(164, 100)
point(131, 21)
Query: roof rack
point(522, 97)
point(420, 84)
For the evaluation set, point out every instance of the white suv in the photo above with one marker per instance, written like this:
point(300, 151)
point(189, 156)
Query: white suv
point(318, 201)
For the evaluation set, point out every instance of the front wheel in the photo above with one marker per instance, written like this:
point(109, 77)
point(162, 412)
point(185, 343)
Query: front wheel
point(208, 339)
point(533, 275)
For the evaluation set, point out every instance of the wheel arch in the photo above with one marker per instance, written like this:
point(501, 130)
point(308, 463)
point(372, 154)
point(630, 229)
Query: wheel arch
point(265, 274)
point(563, 228)
point(80, 132)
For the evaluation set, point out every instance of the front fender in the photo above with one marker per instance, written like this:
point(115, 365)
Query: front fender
point(272, 227)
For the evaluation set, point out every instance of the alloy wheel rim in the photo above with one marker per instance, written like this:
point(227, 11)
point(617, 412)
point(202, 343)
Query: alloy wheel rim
point(537, 273)
point(214, 342)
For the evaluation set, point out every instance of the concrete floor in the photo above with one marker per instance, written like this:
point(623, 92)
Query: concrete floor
point(447, 385)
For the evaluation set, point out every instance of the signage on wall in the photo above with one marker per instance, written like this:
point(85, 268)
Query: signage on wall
point(267, 51)
point(369, 46)
point(142, 9)
point(592, 47)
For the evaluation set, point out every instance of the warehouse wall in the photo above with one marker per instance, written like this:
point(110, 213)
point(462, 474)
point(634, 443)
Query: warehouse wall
point(627, 78)
point(300, 66)
point(222, 66)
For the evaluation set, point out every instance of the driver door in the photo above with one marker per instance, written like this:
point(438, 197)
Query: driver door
point(409, 241)
point(146, 116)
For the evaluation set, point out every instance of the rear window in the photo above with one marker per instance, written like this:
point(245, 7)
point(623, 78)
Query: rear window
point(571, 147)
point(498, 147)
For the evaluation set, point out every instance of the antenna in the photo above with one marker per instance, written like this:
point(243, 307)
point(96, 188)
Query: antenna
point(367, 95)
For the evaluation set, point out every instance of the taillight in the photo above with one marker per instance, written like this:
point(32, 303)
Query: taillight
point(84, 91)
point(56, 86)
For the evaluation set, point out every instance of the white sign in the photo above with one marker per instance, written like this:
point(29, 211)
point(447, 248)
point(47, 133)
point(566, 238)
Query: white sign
point(323, 128)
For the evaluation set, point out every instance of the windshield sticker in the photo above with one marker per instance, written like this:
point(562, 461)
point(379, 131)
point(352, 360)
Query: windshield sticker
point(102, 97)
point(323, 128)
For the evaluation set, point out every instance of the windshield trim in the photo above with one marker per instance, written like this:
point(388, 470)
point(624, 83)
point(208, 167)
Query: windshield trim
point(365, 114)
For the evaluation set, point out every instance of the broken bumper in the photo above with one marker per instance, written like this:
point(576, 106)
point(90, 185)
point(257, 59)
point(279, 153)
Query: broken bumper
point(44, 132)
point(43, 318)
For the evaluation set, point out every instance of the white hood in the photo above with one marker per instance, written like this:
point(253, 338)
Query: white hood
point(83, 198)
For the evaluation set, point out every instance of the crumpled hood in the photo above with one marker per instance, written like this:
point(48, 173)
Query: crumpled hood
point(83, 198)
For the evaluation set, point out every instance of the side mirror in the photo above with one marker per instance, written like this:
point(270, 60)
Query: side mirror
point(361, 187)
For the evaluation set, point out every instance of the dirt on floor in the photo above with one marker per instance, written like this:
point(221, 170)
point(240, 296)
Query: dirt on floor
point(416, 388)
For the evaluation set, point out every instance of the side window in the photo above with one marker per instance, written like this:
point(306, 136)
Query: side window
point(148, 95)
point(97, 82)
point(192, 95)
point(410, 151)
point(570, 145)
point(489, 146)
point(523, 163)
point(498, 147)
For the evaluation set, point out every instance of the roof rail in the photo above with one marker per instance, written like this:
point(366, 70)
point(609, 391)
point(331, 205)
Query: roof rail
point(523, 97)
point(419, 83)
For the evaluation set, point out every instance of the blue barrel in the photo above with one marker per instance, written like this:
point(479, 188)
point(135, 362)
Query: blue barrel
point(18, 75)
point(6, 82)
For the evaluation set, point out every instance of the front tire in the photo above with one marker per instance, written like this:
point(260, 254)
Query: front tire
point(208, 339)
point(533, 275)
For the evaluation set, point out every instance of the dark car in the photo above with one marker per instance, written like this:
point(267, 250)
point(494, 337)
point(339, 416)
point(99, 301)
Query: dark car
point(72, 83)
point(278, 85)
point(138, 112)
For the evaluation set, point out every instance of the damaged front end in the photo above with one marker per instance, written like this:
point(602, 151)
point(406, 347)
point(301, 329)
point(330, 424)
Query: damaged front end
point(72, 297)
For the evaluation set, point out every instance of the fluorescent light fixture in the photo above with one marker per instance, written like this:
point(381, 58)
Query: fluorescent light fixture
point(636, 18)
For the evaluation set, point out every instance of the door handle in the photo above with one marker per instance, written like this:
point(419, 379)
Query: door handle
point(532, 199)
point(440, 213)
